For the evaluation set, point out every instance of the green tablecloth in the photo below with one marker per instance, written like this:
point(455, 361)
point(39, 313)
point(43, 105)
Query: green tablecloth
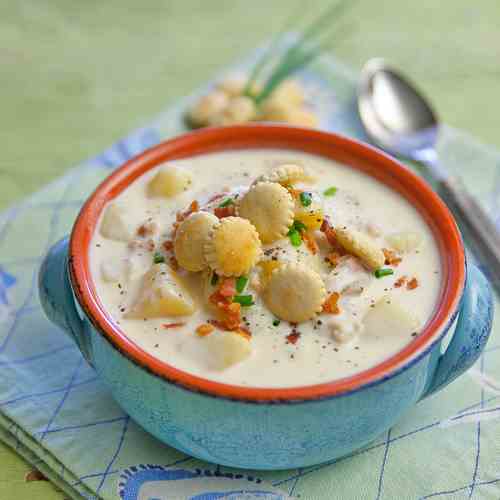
point(75, 76)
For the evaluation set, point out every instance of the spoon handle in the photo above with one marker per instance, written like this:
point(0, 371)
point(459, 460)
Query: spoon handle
point(477, 226)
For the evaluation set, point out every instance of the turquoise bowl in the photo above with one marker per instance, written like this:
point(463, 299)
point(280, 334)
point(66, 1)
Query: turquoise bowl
point(270, 428)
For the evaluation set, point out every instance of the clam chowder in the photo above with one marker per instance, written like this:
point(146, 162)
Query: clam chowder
point(265, 268)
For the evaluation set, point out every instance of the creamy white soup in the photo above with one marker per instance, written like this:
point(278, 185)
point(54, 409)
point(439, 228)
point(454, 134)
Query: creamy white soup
point(265, 268)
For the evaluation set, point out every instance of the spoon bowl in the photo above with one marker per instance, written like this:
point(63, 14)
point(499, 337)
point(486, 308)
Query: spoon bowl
point(396, 116)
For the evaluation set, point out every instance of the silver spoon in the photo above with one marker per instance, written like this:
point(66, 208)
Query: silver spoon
point(399, 120)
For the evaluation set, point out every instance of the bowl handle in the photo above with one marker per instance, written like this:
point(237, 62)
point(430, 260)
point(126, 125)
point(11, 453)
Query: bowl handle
point(56, 296)
point(471, 333)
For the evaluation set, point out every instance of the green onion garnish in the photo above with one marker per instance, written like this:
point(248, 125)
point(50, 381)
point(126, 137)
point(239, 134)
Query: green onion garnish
point(276, 322)
point(295, 238)
point(158, 258)
point(330, 191)
point(299, 226)
point(305, 199)
point(314, 39)
point(244, 300)
point(380, 273)
point(241, 283)
point(226, 203)
point(215, 279)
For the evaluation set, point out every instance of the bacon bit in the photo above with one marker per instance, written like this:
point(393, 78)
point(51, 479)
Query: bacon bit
point(227, 288)
point(331, 304)
point(412, 284)
point(334, 258)
point(174, 265)
point(391, 259)
point(193, 207)
point(245, 329)
point(222, 212)
point(310, 242)
point(329, 232)
point(168, 245)
point(400, 282)
point(324, 225)
point(232, 316)
point(243, 332)
point(150, 245)
point(205, 329)
point(293, 337)
point(294, 192)
point(147, 229)
point(229, 310)
point(180, 216)
point(172, 325)
point(216, 298)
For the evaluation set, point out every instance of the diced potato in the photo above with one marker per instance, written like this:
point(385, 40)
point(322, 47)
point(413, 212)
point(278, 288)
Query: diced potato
point(278, 111)
point(274, 111)
point(227, 348)
point(162, 294)
point(404, 241)
point(311, 216)
point(239, 110)
point(344, 328)
point(235, 85)
point(388, 318)
point(114, 224)
point(137, 264)
point(170, 181)
point(360, 245)
point(112, 270)
point(289, 92)
point(207, 107)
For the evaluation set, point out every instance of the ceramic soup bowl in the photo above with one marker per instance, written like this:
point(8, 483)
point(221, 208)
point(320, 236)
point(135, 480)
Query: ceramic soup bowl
point(270, 428)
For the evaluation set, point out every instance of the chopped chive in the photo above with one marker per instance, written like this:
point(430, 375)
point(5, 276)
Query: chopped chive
point(305, 199)
point(244, 300)
point(158, 258)
point(215, 279)
point(226, 203)
point(241, 283)
point(295, 238)
point(330, 191)
point(276, 322)
point(299, 226)
point(380, 273)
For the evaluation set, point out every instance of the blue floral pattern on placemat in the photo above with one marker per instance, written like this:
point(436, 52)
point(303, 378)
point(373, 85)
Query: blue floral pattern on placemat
point(155, 482)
